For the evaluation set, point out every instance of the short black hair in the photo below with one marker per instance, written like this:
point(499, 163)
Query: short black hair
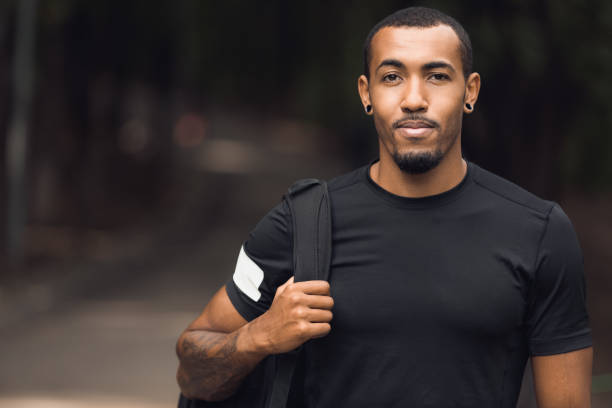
point(422, 17)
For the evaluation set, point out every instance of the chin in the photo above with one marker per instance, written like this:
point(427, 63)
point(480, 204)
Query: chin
point(418, 162)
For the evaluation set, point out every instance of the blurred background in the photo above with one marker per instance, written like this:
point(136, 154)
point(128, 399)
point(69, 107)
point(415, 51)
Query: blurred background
point(143, 140)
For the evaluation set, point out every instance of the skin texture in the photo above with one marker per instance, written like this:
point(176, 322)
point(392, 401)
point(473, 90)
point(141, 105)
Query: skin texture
point(426, 82)
point(415, 74)
point(563, 380)
point(220, 348)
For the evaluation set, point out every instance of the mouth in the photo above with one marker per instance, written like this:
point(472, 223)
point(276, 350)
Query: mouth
point(414, 128)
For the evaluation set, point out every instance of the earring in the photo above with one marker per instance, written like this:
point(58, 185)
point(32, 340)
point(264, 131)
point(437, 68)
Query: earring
point(468, 106)
point(369, 108)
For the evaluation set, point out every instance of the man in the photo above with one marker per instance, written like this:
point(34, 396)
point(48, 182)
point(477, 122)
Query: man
point(445, 278)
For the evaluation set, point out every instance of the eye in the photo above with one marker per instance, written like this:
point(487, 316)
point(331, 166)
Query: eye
point(439, 77)
point(391, 78)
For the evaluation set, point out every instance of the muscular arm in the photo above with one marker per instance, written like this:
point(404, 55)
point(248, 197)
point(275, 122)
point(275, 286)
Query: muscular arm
point(220, 348)
point(563, 380)
point(216, 351)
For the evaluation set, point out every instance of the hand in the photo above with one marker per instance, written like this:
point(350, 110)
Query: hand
point(299, 312)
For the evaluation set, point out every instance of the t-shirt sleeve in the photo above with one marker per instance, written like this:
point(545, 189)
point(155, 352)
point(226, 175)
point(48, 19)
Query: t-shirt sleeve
point(557, 320)
point(264, 263)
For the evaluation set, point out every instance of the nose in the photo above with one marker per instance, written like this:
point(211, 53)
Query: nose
point(415, 99)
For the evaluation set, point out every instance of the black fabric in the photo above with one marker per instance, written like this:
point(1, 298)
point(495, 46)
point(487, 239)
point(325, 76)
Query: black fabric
point(440, 300)
point(310, 214)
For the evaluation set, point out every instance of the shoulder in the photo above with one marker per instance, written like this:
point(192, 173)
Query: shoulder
point(346, 180)
point(510, 193)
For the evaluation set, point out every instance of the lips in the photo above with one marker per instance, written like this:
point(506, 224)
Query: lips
point(414, 124)
point(415, 132)
point(414, 128)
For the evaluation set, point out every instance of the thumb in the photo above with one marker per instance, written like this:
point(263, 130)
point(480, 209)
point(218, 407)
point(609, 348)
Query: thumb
point(282, 287)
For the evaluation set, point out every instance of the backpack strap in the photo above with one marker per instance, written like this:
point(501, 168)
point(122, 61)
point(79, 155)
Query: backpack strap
point(308, 201)
point(309, 204)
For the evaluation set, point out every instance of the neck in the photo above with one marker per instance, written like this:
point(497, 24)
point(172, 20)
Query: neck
point(446, 175)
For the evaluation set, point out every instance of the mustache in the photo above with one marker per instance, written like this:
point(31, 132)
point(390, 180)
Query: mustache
point(415, 117)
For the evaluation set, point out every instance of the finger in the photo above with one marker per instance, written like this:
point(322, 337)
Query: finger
point(319, 301)
point(319, 316)
point(313, 287)
point(284, 285)
point(319, 330)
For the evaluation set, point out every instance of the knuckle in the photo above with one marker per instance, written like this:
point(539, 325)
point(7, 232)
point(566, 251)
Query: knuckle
point(299, 312)
point(302, 328)
point(295, 298)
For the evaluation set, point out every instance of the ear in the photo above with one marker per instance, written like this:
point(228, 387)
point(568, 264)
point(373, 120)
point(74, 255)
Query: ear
point(472, 88)
point(363, 86)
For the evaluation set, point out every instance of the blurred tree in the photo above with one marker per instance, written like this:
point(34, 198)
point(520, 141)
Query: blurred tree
point(542, 109)
point(105, 69)
point(17, 137)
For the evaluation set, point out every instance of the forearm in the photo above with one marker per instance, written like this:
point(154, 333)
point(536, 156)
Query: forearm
point(563, 380)
point(213, 365)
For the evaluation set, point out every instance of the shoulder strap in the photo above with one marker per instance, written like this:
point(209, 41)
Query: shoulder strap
point(309, 204)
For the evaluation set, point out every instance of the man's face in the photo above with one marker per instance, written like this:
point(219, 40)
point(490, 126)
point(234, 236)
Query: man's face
point(417, 91)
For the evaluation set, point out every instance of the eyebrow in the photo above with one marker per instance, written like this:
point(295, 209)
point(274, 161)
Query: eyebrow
point(390, 62)
point(438, 64)
point(430, 65)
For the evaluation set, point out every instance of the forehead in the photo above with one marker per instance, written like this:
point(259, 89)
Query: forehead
point(412, 45)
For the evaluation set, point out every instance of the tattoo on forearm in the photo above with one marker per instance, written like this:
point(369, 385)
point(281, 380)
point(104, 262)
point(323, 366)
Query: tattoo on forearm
point(209, 362)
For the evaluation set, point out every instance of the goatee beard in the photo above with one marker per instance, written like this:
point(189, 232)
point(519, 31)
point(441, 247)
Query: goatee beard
point(418, 163)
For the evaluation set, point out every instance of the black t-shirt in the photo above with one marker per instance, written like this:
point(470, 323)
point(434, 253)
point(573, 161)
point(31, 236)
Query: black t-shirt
point(439, 300)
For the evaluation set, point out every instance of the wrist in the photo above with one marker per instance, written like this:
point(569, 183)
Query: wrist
point(252, 341)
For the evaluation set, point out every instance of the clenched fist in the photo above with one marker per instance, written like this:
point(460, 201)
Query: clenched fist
point(299, 312)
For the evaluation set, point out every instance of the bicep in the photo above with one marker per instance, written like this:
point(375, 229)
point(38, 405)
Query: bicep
point(219, 315)
point(251, 289)
point(563, 380)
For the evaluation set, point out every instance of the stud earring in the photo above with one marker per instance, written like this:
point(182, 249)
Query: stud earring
point(468, 106)
point(369, 108)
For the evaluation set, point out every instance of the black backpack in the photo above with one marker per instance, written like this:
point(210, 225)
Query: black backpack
point(278, 380)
